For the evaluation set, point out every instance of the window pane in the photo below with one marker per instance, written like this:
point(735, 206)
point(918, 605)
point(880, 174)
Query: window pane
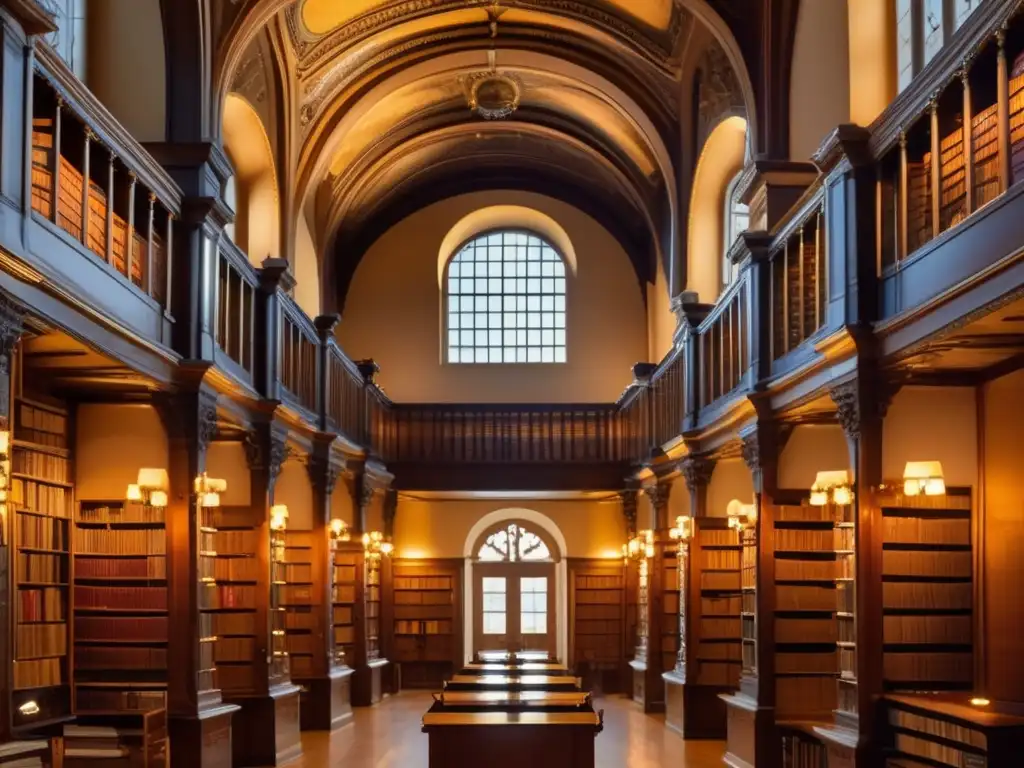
point(494, 602)
point(494, 623)
point(493, 583)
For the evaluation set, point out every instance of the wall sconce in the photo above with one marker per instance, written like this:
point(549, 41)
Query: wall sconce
point(150, 488)
point(29, 708)
point(375, 546)
point(831, 486)
point(923, 477)
point(683, 530)
point(741, 515)
point(209, 489)
point(278, 517)
point(639, 547)
point(340, 531)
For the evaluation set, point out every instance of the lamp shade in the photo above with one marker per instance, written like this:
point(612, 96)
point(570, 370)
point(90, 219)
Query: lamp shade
point(279, 510)
point(134, 493)
point(5, 442)
point(923, 476)
point(152, 479)
point(831, 479)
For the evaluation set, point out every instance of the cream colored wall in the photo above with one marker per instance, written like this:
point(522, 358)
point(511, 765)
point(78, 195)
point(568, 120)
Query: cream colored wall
point(434, 528)
point(125, 64)
point(661, 322)
point(872, 46)
point(720, 160)
point(341, 502)
point(113, 442)
point(819, 88)
point(1003, 537)
point(226, 461)
point(730, 480)
point(306, 269)
point(812, 448)
point(929, 424)
point(294, 490)
point(393, 314)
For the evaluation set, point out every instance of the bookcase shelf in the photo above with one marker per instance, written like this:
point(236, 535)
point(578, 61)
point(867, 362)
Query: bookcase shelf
point(42, 498)
point(426, 621)
point(597, 598)
point(371, 605)
point(347, 557)
point(120, 608)
point(719, 629)
point(669, 640)
point(301, 622)
point(927, 592)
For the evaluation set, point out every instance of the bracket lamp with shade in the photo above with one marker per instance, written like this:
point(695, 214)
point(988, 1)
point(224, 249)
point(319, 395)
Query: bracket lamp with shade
point(741, 515)
point(375, 545)
point(831, 487)
point(683, 530)
point(639, 547)
point(278, 517)
point(924, 477)
point(339, 530)
point(150, 488)
point(209, 489)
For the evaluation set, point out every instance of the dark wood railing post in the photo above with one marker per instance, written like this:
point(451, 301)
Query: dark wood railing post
point(267, 343)
point(150, 216)
point(169, 264)
point(129, 228)
point(86, 153)
point(325, 325)
point(936, 165)
point(904, 202)
point(1003, 109)
point(109, 246)
point(55, 179)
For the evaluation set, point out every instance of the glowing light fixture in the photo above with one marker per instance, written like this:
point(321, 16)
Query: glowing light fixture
point(923, 477)
point(209, 489)
point(150, 488)
point(741, 515)
point(278, 517)
point(375, 545)
point(831, 486)
point(980, 701)
point(683, 530)
point(639, 547)
point(340, 531)
point(29, 708)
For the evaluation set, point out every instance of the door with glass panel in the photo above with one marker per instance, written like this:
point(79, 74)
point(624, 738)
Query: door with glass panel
point(514, 592)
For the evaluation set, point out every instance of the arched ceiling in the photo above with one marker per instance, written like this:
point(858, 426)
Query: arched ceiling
point(380, 122)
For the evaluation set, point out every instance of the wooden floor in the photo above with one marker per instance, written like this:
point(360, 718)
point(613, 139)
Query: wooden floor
point(388, 736)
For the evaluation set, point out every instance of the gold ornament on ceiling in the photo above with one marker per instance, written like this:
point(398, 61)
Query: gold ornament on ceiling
point(492, 94)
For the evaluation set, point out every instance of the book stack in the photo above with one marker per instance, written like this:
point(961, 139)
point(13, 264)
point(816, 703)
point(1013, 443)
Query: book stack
point(720, 629)
point(297, 600)
point(985, 138)
point(343, 599)
point(424, 627)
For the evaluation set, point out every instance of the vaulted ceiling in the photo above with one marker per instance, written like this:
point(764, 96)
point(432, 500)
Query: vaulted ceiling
point(374, 118)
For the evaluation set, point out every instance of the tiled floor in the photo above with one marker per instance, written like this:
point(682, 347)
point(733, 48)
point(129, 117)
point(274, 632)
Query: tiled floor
point(388, 736)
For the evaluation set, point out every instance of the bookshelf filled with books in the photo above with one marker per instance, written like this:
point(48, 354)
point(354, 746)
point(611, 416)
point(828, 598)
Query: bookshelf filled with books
point(231, 597)
point(927, 592)
point(668, 642)
point(127, 740)
point(302, 623)
point(347, 561)
point(716, 553)
point(41, 498)
point(846, 608)
point(120, 608)
point(806, 654)
point(427, 624)
point(748, 602)
point(598, 622)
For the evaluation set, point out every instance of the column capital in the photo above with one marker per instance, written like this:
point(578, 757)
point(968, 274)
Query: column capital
point(266, 450)
point(658, 494)
point(860, 399)
point(629, 503)
point(190, 415)
point(697, 470)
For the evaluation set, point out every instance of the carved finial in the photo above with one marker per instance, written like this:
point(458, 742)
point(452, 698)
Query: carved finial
point(152, 198)
point(903, 139)
point(752, 451)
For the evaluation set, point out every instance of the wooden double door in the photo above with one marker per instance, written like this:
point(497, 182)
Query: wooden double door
point(514, 607)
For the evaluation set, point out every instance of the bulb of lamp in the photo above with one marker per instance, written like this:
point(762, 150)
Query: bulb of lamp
point(649, 551)
point(980, 701)
point(29, 708)
point(935, 486)
point(366, 539)
point(5, 442)
point(387, 547)
point(134, 493)
point(842, 495)
point(209, 500)
point(634, 546)
point(818, 498)
point(911, 487)
point(337, 526)
point(158, 499)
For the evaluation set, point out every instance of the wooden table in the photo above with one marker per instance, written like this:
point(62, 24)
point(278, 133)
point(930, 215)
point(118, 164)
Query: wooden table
point(514, 682)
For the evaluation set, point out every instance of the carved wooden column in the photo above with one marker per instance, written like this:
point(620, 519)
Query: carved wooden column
point(692, 710)
point(647, 665)
point(199, 721)
point(326, 696)
point(752, 738)
point(270, 714)
point(861, 405)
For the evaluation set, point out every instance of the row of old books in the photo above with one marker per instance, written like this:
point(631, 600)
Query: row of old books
point(41, 569)
point(125, 513)
point(425, 627)
point(38, 640)
point(41, 497)
point(42, 532)
point(813, 539)
point(120, 598)
point(295, 572)
point(240, 542)
point(229, 596)
point(38, 673)
point(142, 567)
point(799, 751)
point(236, 569)
point(122, 628)
point(43, 465)
point(120, 541)
point(423, 582)
point(433, 597)
point(42, 420)
point(41, 604)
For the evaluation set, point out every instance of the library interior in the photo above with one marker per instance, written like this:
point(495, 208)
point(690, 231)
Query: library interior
point(461, 383)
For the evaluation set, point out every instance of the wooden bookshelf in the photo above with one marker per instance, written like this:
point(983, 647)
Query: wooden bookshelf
point(919, 202)
point(427, 621)
point(120, 608)
point(347, 561)
point(597, 599)
point(985, 154)
point(718, 552)
point(669, 639)
point(946, 730)
point(138, 740)
point(302, 623)
point(1016, 93)
point(952, 178)
point(927, 592)
point(42, 499)
point(805, 634)
point(846, 609)
point(232, 598)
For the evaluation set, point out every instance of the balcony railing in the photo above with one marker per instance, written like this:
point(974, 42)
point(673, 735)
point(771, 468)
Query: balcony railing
point(235, 301)
point(299, 355)
point(724, 343)
point(96, 185)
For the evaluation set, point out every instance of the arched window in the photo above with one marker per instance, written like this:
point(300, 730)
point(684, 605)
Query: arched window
point(515, 544)
point(737, 221)
point(505, 300)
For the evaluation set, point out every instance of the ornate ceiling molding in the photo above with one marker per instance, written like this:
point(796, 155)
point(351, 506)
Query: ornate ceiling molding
point(718, 90)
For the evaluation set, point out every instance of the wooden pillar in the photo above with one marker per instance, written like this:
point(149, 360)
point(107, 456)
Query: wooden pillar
point(1003, 110)
point(326, 697)
point(968, 140)
point(199, 721)
point(86, 173)
point(109, 249)
point(270, 715)
point(147, 284)
point(129, 230)
point(861, 405)
point(55, 178)
point(936, 167)
point(169, 264)
point(904, 199)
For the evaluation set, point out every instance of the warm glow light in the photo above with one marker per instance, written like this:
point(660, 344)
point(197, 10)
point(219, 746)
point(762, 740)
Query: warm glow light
point(134, 493)
point(209, 500)
point(278, 517)
point(842, 495)
point(366, 539)
point(923, 476)
point(834, 484)
point(158, 499)
point(387, 547)
point(980, 701)
point(683, 529)
point(29, 708)
point(5, 442)
point(151, 479)
point(741, 515)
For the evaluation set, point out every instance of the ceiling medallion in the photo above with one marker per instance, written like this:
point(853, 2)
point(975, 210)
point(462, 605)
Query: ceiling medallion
point(493, 95)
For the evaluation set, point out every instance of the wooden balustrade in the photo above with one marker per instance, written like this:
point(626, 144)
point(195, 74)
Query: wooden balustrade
point(798, 278)
point(93, 181)
point(235, 303)
point(723, 340)
point(667, 399)
point(299, 348)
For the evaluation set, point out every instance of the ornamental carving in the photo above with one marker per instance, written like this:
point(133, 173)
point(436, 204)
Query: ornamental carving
point(629, 504)
point(854, 406)
point(718, 90)
point(323, 474)
point(752, 451)
point(658, 495)
point(492, 95)
point(266, 450)
point(697, 471)
point(250, 79)
point(12, 325)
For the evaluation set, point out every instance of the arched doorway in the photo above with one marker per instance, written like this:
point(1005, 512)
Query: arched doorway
point(515, 584)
